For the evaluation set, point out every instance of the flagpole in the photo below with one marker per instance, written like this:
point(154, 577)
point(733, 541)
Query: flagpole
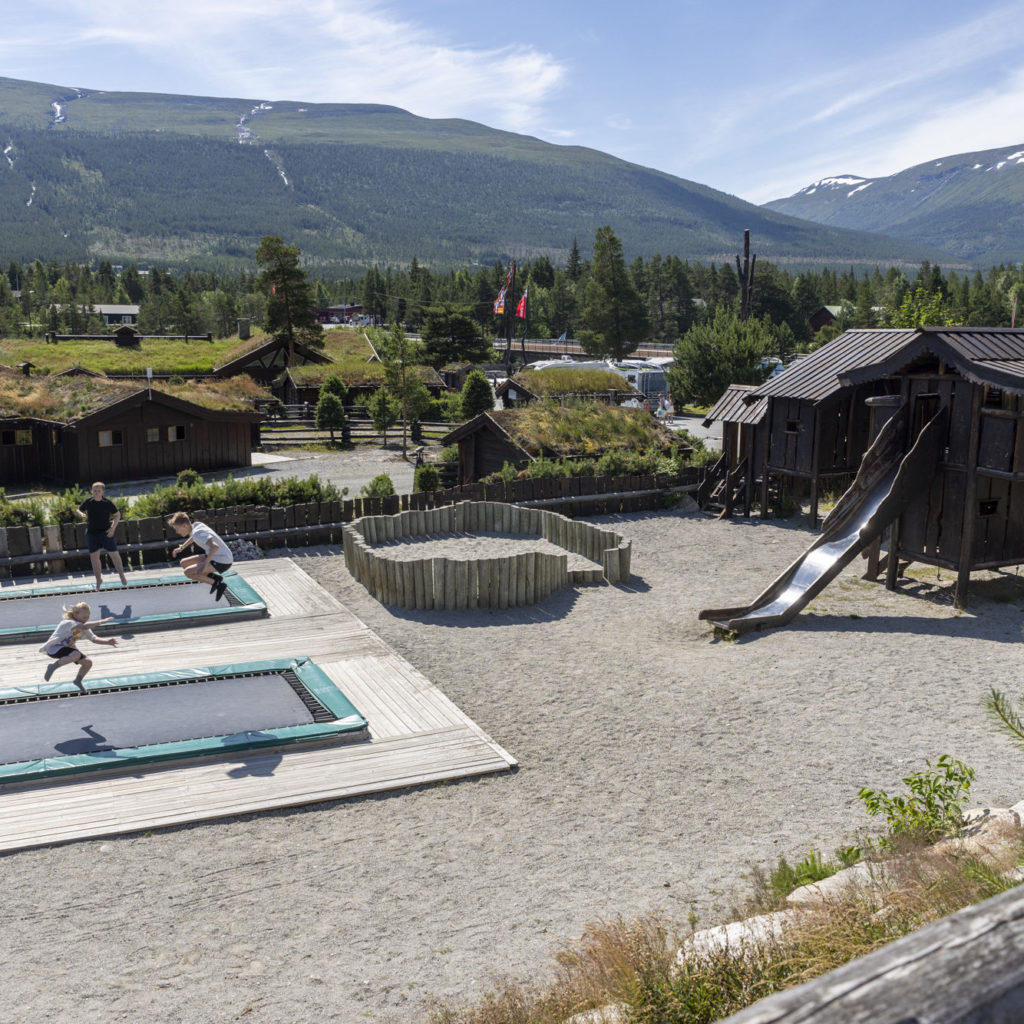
point(510, 318)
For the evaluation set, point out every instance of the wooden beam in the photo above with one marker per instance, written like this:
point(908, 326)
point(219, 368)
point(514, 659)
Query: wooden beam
point(963, 577)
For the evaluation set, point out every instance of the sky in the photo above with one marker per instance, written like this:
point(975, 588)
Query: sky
point(754, 99)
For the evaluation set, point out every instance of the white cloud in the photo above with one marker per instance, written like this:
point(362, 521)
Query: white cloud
point(336, 51)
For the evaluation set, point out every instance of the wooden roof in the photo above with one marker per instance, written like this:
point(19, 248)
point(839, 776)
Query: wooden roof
point(993, 356)
point(567, 382)
point(733, 406)
point(259, 351)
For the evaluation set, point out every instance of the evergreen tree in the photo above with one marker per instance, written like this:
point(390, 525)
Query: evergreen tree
point(715, 354)
point(330, 415)
point(384, 411)
point(613, 311)
point(477, 396)
point(283, 282)
point(451, 335)
point(401, 355)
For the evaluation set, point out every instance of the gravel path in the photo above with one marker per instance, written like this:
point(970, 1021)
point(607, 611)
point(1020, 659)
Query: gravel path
point(656, 764)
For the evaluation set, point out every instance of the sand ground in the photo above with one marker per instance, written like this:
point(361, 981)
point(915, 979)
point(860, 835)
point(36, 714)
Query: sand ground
point(657, 764)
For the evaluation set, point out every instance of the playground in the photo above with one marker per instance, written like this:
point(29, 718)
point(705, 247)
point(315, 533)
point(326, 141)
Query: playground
point(656, 763)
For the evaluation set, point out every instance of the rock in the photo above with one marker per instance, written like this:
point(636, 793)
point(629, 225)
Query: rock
point(244, 550)
point(991, 835)
point(737, 934)
point(612, 1014)
point(865, 876)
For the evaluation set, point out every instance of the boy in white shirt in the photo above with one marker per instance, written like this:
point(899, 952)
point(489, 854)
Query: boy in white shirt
point(216, 554)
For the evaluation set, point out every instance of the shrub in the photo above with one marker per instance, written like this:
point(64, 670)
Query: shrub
point(426, 478)
point(934, 807)
point(477, 396)
point(449, 454)
point(188, 478)
point(380, 486)
point(64, 507)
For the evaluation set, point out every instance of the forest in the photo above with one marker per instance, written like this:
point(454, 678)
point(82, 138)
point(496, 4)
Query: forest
point(668, 296)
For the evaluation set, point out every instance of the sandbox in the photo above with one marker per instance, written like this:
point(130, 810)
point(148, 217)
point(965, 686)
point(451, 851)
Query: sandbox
point(451, 582)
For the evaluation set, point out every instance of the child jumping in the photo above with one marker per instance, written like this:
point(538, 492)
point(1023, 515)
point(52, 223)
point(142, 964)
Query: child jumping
point(216, 554)
point(61, 646)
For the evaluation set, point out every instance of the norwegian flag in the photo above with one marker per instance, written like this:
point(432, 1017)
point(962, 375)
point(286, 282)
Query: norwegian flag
point(521, 308)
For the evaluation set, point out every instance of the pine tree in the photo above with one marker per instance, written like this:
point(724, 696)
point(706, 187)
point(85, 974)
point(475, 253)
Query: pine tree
point(613, 312)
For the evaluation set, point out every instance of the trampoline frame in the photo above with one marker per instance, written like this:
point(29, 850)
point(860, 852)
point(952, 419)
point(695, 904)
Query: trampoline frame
point(347, 725)
point(243, 603)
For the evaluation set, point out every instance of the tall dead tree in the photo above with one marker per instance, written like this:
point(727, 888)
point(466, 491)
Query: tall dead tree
point(746, 276)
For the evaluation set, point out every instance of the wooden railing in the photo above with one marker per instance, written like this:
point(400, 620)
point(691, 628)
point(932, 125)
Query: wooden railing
point(964, 969)
point(29, 550)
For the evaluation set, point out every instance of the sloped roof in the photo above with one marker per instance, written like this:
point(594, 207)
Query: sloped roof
point(567, 381)
point(993, 356)
point(733, 407)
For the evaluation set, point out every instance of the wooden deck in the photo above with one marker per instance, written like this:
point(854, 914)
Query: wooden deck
point(417, 735)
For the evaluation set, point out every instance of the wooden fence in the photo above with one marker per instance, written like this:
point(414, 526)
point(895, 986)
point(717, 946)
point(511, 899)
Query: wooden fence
point(460, 583)
point(34, 550)
point(964, 969)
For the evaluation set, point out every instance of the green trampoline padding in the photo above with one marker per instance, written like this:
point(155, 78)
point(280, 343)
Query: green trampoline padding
point(31, 613)
point(52, 730)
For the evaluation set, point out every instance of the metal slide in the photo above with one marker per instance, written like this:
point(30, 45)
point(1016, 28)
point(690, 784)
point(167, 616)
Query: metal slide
point(885, 484)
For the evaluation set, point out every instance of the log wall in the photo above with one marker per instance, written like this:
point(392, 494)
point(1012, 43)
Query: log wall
point(452, 584)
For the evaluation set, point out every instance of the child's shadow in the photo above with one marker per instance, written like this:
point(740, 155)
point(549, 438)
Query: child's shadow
point(91, 743)
point(261, 764)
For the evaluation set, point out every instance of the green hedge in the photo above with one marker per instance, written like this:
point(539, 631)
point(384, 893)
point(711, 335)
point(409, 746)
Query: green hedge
point(188, 494)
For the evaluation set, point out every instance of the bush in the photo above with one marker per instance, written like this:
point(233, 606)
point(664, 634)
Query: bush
point(934, 807)
point(426, 478)
point(449, 454)
point(188, 478)
point(64, 508)
point(477, 396)
point(380, 486)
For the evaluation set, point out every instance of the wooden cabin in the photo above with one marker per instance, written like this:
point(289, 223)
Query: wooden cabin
point(730, 482)
point(299, 385)
point(822, 413)
point(265, 360)
point(521, 436)
point(565, 383)
point(126, 433)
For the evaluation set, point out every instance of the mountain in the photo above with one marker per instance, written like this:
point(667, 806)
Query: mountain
point(970, 205)
point(191, 180)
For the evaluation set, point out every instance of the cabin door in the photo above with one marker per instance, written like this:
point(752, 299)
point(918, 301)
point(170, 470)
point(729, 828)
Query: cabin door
point(926, 405)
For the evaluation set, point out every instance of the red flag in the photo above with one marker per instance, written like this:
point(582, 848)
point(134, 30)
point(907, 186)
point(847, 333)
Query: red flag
point(499, 302)
point(521, 308)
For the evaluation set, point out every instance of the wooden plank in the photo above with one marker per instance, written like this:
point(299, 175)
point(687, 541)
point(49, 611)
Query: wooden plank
point(417, 734)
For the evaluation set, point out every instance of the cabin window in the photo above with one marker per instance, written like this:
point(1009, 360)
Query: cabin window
point(152, 434)
point(23, 437)
point(993, 398)
point(792, 426)
point(110, 438)
point(6, 437)
point(176, 433)
point(988, 508)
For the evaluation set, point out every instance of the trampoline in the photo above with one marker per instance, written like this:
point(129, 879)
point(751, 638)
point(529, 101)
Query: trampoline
point(155, 603)
point(54, 730)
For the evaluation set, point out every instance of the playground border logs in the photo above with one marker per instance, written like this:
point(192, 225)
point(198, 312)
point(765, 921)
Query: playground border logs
point(453, 584)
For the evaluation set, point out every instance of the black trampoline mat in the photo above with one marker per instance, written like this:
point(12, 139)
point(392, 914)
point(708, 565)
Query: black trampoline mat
point(128, 603)
point(115, 719)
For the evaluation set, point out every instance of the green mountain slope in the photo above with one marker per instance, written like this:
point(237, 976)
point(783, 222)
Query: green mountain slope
point(176, 179)
point(971, 205)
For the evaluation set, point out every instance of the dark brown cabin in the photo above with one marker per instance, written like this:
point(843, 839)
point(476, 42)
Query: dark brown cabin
point(143, 434)
point(265, 362)
point(822, 413)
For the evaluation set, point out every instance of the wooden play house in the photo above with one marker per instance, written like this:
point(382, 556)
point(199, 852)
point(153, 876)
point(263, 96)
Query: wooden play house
point(822, 413)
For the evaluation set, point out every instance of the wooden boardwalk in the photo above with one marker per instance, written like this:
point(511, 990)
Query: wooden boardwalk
point(417, 735)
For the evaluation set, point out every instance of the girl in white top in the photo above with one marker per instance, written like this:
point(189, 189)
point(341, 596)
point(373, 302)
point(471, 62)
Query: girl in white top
point(216, 554)
point(62, 644)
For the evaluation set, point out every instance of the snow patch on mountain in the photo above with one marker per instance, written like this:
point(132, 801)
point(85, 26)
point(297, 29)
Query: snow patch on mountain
point(859, 188)
point(831, 184)
point(245, 134)
point(31, 197)
point(278, 163)
point(8, 149)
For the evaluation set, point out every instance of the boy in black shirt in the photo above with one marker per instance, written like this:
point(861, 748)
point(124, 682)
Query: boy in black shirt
point(101, 516)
